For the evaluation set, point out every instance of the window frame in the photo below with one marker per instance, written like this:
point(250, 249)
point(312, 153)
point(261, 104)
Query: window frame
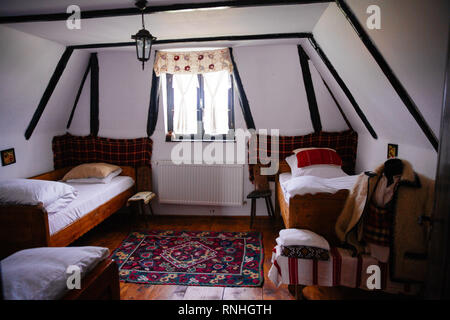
point(172, 137)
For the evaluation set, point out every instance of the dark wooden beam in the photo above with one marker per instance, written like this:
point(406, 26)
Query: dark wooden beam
point(62, 63)
point(344, 88)
point(309, 88)
point(242, 96)
point(95, 123)
point(153, 107)
point(93, 14)
point(78, 95)
point(338, 106)
point(396, 84)
point(270, 36)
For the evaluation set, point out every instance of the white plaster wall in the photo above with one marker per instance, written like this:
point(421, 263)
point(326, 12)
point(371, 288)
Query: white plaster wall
point(273, 83)
point(26, 65)
point(413, 40)
point(413, 64)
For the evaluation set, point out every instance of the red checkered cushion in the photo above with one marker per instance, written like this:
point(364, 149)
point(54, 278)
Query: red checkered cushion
point(345, 143)
point(311, 157)
point(69, 150)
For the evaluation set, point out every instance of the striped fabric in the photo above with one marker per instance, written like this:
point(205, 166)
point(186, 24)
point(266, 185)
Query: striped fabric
point(318, 156)
point(342, 269)
point(344, 142)
point(377, 225)
point(69, 150)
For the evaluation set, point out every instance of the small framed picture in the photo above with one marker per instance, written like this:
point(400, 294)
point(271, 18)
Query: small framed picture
point(8, 157)
point(392, 151)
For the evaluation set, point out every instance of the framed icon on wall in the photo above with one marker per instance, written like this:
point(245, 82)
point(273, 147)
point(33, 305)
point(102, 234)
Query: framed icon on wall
point(8, 157)
point(392, 151)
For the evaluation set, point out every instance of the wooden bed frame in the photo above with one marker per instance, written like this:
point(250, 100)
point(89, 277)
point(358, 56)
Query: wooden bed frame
point(26, 226)
point(102, 283)
point(317, 212)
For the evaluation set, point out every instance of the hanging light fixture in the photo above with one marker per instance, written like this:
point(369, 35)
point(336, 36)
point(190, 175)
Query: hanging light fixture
point(143, 38)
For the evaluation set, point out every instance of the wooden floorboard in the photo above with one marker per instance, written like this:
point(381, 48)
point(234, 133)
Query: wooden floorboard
point(242, 294)
point(203, 293)
point(114, 230)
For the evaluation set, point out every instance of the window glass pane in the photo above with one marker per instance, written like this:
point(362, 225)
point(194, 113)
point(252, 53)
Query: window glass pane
point(215, 113)
point(185, 103)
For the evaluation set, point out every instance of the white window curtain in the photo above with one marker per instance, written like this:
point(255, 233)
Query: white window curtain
point(215, 66)
point(185, 103)
point(215, 112)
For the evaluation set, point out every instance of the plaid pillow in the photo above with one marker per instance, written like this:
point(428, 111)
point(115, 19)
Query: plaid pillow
point(311, 157)
point(305, 252)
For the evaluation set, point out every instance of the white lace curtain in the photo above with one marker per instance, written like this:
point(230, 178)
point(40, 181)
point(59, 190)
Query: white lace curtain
point(215, 67)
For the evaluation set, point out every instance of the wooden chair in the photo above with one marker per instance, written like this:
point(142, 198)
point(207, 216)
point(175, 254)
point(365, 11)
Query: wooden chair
point(262, 190)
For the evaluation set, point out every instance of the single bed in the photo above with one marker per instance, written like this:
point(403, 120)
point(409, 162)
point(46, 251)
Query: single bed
point(29, 226)
point(44, 274)
point(316, 203)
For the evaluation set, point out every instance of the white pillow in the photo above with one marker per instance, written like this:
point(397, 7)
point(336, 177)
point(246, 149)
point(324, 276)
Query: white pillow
point(106, 179)
point(302, 237)
point(40, 273)
point(31, 192)
point(319, 170)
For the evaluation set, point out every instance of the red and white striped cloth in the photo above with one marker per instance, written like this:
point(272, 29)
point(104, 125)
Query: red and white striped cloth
point(340, 270)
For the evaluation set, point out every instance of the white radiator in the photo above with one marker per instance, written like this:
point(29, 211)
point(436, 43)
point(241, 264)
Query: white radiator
point(200, 184)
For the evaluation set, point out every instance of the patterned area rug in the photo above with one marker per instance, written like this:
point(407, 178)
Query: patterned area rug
point(193, 258)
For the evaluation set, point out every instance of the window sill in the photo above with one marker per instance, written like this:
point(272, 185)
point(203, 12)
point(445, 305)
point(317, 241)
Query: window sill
point(171, 138)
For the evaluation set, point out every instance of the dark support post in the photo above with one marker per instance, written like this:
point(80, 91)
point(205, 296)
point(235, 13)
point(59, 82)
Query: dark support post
point(154, 105)
point(338, 106)
point(170, 103)
point(309, 87)
point(396, 84)
point(48, 91)
point(242, 96)
point(94, 95)
point(343, 87)
point(88, 68)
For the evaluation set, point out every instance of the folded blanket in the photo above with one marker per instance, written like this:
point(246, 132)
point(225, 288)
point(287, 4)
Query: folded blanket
point(302, 237)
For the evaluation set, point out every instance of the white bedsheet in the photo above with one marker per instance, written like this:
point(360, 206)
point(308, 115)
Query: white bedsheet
point(292, 186)
point(40, 273)
point(90, 197)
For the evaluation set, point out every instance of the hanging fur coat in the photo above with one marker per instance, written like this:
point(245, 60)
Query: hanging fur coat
point(409, 234)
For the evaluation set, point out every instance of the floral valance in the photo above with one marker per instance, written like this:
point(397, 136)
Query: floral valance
point(193, 62)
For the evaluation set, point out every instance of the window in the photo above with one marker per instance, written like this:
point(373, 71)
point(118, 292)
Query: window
point(199, 105)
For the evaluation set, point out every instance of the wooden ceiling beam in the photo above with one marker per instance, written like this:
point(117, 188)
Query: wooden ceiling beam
point(270, 36)
point(107, 13)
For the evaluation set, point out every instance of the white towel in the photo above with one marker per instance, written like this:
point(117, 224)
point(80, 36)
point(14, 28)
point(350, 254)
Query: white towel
point(302, 237)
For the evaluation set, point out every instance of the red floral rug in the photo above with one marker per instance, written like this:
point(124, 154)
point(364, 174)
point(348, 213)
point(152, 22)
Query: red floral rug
point(194, 258)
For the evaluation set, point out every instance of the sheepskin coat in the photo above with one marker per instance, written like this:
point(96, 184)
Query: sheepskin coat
point(409, 234)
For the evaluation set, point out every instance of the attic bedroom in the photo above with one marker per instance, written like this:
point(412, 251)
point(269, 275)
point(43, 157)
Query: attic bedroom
point(232, 150)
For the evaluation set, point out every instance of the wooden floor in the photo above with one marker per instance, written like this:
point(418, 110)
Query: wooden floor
point(112, 231)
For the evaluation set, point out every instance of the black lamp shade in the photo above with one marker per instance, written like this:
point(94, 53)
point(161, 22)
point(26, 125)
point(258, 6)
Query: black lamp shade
point(144, 41)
